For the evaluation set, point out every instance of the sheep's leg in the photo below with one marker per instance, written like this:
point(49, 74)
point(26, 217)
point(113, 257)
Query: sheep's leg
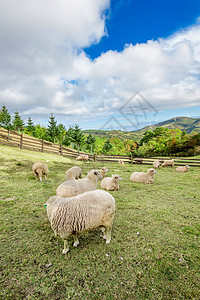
point(66, 247)
point(76, 241)
point(108, 235)
point(103, 231)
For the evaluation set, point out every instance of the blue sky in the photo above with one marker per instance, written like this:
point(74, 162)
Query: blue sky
point(83, 60)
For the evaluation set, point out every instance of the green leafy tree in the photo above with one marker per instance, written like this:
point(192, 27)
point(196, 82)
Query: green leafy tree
point(18, 123)
point(61, 132)
point(40, 132)
point(107, 147)
point(52, 129)
point(5, 118)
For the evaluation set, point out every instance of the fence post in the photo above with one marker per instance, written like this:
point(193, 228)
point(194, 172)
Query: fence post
point(42, 145)
point(95, 157)
point(21, 140)
point(61, 150)
point(131, 158)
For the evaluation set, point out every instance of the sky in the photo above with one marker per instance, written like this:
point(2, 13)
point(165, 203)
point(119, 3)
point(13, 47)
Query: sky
point(100, 64)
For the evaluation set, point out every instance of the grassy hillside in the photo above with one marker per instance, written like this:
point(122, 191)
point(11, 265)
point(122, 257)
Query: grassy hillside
point(153, 254)
point(182, 123)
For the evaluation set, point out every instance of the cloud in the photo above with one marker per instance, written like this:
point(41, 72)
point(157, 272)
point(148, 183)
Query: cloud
point(43, 68)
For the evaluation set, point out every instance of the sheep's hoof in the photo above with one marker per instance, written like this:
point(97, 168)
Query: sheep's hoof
point(108, 242)
point(76, 243)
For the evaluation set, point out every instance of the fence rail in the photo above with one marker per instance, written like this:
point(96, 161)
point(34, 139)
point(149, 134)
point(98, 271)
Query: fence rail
point(23, 141)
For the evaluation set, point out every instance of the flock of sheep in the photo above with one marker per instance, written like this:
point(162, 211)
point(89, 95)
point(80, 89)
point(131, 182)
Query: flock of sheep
point(78, 206)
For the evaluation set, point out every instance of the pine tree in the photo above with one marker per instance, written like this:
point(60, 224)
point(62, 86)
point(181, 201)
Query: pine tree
point(52, 130)
point(30, 126)
point(90, 141)
point(76, 136)
point(5, 118)
point(107, 147)
point(18, 123)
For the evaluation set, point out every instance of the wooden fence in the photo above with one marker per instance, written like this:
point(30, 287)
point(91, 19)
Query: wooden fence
point(23, 141)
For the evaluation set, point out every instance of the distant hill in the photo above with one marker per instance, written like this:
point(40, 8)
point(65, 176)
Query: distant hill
point(182, 123)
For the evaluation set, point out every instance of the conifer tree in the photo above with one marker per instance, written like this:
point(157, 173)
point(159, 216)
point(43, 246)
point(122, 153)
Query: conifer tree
point(5, 118)
point(52, 129)
point(107, 147)
point(30, 126)
point(18, 123)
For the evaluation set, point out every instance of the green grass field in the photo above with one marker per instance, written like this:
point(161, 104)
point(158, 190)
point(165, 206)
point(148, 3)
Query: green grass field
point(154, 252)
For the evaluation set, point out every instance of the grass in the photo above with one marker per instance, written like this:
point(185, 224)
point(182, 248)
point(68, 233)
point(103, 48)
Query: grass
point(154, 251)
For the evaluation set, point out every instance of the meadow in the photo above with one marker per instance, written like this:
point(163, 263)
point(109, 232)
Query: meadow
point(154, 252)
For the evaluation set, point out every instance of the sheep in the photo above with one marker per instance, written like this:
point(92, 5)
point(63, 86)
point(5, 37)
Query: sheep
point(168, 163)
point(72, 188)
point(182, 168)
point(40, 169)
point(87, 211)
point(121, 162)
point(138, 160)
point(82, 157)
point(156, 164)
point(73, 173)
point(111, 183)
point(143, 177)
point(103, 171)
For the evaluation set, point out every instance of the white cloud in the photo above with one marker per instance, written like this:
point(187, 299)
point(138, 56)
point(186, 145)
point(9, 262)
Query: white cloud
point(43, 68)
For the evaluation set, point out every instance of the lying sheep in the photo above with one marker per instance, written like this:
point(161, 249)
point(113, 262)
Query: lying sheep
point(156, 164)
point(182, 168)
point(103, 171)
point(138, 160)
point(82, 157)
point(40, 169)
point(168, 163)
point(73, 173)
point(86, 211)
point(72, 188)
point(121, 162)
point(111, 183)
point(143, 177)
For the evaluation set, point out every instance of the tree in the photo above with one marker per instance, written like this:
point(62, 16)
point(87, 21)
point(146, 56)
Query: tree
point(76, 135)
point(30, 126)
point(90, 141)
point(5, 118)
point(107, 147)
point(40, 132)
point(61, 132)
point(52, 130)
point(18, 123)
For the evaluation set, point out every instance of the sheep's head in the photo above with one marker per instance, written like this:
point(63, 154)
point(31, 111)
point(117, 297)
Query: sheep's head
point(104, 169)
point(152, 171)
point(187, 167)
point(116, 177)
point(95, 174)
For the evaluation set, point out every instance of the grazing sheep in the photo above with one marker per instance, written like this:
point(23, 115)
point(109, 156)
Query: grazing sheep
point(138, 160)
point(143, 177)
point(121, 162)
point(86, 211)
point(73, 173)
point(161, 161)
point(83, 157)
point(111, 183)
point(182, 168)
point(156, 164)
point(103, 171)
point(72, 188)
point(40, 169)
point(168, 163)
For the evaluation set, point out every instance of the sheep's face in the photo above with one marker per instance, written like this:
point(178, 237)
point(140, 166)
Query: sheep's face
point(117, 177)
point(187, 167)
point(152, 171)
point(95, 174)
point(104, 169)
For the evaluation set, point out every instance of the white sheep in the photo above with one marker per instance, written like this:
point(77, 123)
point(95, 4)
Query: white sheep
point(103, 171)
point(83, 157)
point(72, 188)
point(87, 211)
point(73, 173)
point(143, 177)
point(121, 162)
point(40, 169)
point(183, 168)
point(168, 163)
point(156, 164)
point(111, 183)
